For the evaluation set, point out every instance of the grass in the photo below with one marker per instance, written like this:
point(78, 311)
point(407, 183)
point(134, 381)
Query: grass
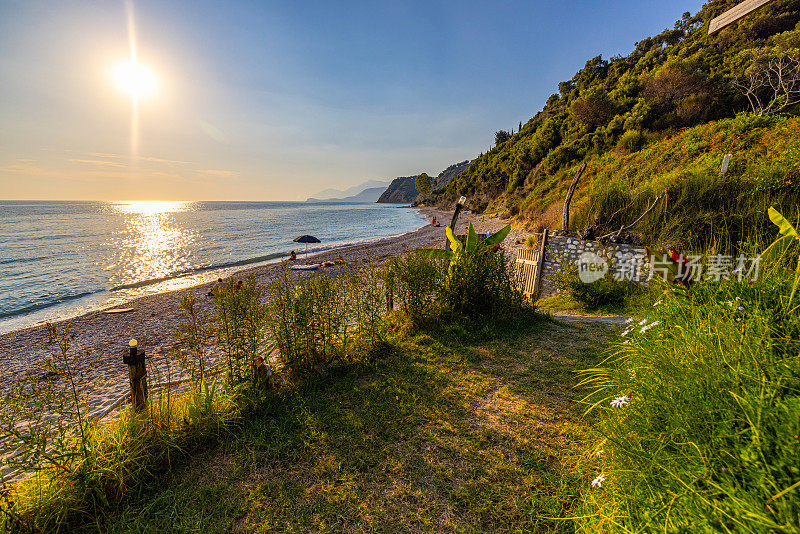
point(565, 302)
point(708, 440)
point(441, 434)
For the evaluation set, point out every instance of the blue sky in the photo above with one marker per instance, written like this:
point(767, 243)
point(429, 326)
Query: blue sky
point(276, 100)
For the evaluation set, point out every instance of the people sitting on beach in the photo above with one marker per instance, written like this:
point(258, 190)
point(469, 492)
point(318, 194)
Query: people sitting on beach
point(238, 285)
point(435, 222)
point(292, 256)
point(217, 285)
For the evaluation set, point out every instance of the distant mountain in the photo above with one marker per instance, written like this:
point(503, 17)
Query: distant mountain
point(329, 194)
point(367, 195)
point(400, 191)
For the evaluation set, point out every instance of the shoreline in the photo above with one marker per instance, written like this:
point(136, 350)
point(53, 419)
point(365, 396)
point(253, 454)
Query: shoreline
point(154, 317)
point(74, 307)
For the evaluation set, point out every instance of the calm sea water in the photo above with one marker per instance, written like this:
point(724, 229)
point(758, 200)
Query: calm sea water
point(61, 259)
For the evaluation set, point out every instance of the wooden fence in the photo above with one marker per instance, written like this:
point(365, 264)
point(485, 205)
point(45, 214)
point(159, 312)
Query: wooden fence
point(529, 264)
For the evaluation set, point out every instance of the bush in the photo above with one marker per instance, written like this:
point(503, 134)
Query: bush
point(482, 285)
point(631, 141)
point(316, 319)
point(607, 291)
point(240, 326)
point(416, 282)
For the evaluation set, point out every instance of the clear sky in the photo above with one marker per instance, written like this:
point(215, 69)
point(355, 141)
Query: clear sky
point(275, 100)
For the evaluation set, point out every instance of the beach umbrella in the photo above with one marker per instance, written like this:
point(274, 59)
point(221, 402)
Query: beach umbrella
point(306, 239)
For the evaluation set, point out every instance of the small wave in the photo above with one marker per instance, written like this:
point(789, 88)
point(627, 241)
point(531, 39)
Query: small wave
point(22, 260)
point(196, 270)
point(43, 305)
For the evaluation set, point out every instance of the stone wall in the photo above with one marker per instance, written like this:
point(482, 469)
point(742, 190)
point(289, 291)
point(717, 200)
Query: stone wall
point(625, 261)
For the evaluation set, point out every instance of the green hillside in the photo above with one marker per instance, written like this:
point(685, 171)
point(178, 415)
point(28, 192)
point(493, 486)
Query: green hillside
point(659, 121)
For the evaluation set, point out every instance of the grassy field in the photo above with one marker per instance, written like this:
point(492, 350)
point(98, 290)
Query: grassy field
point(441, 434)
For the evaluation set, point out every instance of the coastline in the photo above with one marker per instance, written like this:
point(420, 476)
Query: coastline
point(153, 318)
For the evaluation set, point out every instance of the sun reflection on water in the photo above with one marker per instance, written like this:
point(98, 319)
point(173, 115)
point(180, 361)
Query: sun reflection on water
point(156, 245)
point(151, 207)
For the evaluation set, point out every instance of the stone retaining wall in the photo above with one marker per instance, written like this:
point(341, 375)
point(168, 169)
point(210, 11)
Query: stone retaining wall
point(625, 261)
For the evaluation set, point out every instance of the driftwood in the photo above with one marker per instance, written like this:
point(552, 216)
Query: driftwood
point(634, 223)
point(569, 196)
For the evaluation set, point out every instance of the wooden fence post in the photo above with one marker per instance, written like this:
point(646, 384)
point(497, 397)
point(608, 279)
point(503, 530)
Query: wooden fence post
point(537, 282)
point(137, 373)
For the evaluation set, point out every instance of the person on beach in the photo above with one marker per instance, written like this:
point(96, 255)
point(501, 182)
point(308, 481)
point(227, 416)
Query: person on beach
point(238, 285)
point(292, 256)
point(217, 285)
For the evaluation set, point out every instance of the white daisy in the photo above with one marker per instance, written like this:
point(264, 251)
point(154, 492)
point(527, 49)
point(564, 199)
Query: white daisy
point(599, 480)
point(657, 303)
point(619, 402)
point(599, 453)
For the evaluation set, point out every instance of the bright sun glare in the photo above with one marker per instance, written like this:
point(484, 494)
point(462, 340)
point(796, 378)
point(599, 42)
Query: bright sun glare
point(135, 79)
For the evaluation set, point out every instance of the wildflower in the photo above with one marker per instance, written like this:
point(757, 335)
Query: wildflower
point(626, 332)
point(739, 299)
point(599, 453)
point(626, 341)
point(740, 308)
point(599, 480)
point(658, 302)
point(619, 402)
point(730, 303)
point(648, 327)
point(629, 320)
point(632, 373)
point(642, 322)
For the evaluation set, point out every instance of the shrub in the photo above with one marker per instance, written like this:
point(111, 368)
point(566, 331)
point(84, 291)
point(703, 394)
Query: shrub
point(316, 319)
point(240, 325)
point(416, 282)
point(482, 285)
point(631, 141)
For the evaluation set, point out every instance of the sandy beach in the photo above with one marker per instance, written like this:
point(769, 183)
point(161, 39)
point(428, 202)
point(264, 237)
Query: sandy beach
point(153, 318)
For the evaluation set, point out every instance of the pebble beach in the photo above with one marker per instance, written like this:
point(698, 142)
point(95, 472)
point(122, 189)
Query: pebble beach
point(153, 318)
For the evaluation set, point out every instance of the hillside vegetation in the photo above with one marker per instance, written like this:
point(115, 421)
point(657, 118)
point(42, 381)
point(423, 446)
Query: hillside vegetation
point(659, 120)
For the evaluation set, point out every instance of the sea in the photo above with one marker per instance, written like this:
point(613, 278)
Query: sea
point(62, 259)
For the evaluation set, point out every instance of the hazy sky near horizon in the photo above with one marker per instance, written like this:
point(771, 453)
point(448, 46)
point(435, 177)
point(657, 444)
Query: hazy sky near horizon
point(276, 100)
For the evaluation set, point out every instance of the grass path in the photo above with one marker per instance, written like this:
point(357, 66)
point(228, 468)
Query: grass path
point(438, 436)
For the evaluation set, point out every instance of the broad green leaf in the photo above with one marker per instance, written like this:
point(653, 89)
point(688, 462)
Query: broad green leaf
point(435, 253)
point(455, 244)
point(498, 237)
point(782, 223)
point(472, 238)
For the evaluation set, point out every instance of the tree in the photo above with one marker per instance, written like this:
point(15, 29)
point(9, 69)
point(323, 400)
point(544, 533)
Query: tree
point(501, 137)
point(594, 109)
point(772, 83)
point(422, 183)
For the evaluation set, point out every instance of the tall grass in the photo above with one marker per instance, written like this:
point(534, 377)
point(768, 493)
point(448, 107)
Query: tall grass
point(316, 319)
point(698, 409)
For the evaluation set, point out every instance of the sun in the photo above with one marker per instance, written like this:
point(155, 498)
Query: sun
point(135, 79)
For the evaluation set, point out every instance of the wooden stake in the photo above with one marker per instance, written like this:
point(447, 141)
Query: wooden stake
point(569, 196)
point(137, 374)
point(459, 206)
